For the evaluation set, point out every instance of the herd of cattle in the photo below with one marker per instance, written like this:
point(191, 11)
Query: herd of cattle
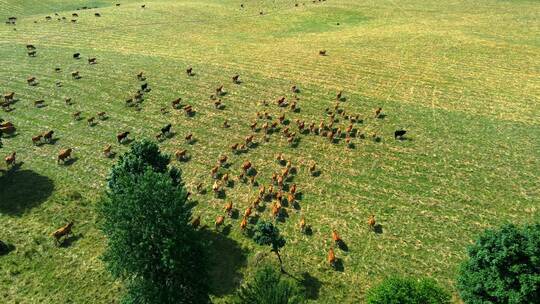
point(280, 191)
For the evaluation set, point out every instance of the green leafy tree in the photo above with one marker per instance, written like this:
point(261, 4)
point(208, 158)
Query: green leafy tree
point(268, 234)
point(398, 290)
point(145, 216)
point(503, 267)
point(270, 287)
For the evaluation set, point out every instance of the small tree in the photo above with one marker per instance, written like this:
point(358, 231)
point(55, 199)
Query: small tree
point(503, 267)
point(268, 234)
point(270, 287)
point(397, 290)
point(151, 244)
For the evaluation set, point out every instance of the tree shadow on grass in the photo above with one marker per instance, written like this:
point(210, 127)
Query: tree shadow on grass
point(21, 190)
point(311, 284)
point(226, 258)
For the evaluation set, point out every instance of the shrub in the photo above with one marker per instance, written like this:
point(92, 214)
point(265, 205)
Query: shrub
point(270, 287)
point(145, 216)
point(503, 267)
point(397, 290)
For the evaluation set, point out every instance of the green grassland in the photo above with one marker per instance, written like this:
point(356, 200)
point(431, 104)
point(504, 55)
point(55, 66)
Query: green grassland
point(461, 76)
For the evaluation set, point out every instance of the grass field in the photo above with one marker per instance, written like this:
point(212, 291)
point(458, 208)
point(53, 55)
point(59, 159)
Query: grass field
point(463, 77)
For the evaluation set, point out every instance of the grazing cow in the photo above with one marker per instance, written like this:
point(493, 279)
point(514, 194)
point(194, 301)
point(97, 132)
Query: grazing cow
point(140, 76)
point(48, 18)
point(295, 89)
point(181, 155)
point(339, 96)
point(48, 136)
point(36, 140)
point(214, 171)
point(331, 257)
point(222, 160)
point(249, 140)
point(75, 15)
point(63, 231)
point(219, 221)
point(378, 112)
point(121, 137)
point(77, 56)
point(196, 222)
point(166, 129)
point(189, 138)
point(189, 71)
point(143, 6)
point(64, 154)
point(236, 79)
point(248, 211)
point(335, 237)
point(276, 209)
point(229, 208)
point(8, 97)
point(97, 14)
point(302, 225)
point(322, 52)
point(73, 20)
point(39, 103)
point(371, 222)
point(92, 60)
point(218, 105)
point(398, 134)
point(102, 115)
point(246, 165)
point(188, 110)
point(176, 103)
point(107, 151)
point(243, 223)
point(76, 115)
point(312, 169)
point(234, 147)
point(31, 81)
point(6, 124)
point(7, 130)
point(75, 75)
point(32, 53)
point(293, 189)
point(11, 159)
point(91, 121)
point(144, 86)
point(216, 187)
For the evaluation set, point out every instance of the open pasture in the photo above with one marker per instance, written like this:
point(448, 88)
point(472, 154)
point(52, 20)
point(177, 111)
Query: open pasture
point(461, 77)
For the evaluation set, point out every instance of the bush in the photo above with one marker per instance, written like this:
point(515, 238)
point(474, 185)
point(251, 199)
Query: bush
point(503, 267)
point(397, 290)
point(270, 287)
point(145, 216)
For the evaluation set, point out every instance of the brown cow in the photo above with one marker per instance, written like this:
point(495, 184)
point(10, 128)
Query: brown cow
point(236, 79)
point(229, 208)
point(36, 140)
point(75, 75)
point(219, 221)
point(64, 154)
point(243, 224)
point(141, 77)
point(331, 257)
point(11, 159)
point(48, 135)
point(92, 60)
point(302, 224)
point(246, 165)
point(371, 222)
point(196, 222)
point(121, 137)
point(378, 112)
point(31, 81)
point(63, 231)
point(181, 155)
point(107, 151)
point(9, 96)
point(226, 124)
point(176, 103)
point(247, 213)
point(335, 236)
point(322, 52)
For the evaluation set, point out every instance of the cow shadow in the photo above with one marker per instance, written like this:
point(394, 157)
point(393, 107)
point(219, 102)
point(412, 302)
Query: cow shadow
point(70, 161)
point(226, 259)
point(67, 242)
point(23, 190)
point(342, 245)
point(378, 229)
